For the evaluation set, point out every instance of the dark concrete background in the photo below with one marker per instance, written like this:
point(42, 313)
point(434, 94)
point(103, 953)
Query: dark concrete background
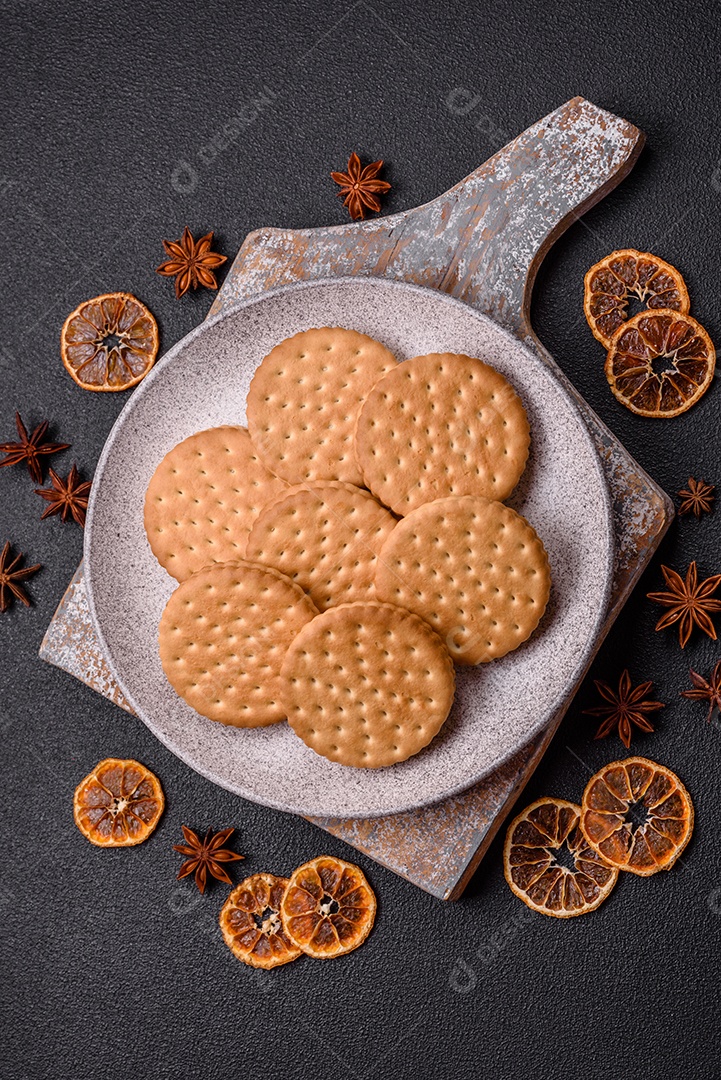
point(110, 968)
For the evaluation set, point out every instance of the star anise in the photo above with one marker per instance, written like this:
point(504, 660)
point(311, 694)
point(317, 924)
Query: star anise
point(706, 690)
point(359, 188)
point(689, 602)
point(66, 497)
point(206, 856)
point(31, 448)
point(697, 498)
point(191, 262)
point(626, 707)
point(11, 574)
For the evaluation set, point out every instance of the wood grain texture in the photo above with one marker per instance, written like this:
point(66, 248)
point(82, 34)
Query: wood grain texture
point(482, 242)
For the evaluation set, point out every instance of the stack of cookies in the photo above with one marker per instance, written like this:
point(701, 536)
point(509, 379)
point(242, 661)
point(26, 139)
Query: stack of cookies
point(337, 557)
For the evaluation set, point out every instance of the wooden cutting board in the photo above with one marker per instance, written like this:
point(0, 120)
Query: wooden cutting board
point(482, 242)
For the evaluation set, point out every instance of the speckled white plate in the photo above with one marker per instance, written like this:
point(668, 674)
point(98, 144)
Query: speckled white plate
point(203, 382)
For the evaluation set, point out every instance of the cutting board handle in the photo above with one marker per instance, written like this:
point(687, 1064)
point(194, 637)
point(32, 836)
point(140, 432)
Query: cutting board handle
point(484, 240)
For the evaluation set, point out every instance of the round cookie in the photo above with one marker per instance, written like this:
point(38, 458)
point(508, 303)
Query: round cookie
point(304, 398)
point(439, 425)
point(326, 537)
point(223, 636)
point(367, 684)
point(474, 569)
point(203, 499)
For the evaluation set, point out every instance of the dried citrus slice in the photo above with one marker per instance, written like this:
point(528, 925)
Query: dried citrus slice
point(109, 343)
point(660, 363)
point(252, 924)
point(118, 804)
point(328, 908)
point(637, 815)
point(549, 864)
point(612, 282)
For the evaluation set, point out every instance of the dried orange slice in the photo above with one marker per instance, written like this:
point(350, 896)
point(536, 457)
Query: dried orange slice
point(612, 282)
point(549, 864)
point(109, 343)
point(660, 363)
point(118, 804)
point(637, 815)
point(252, 924)
point(328, 908)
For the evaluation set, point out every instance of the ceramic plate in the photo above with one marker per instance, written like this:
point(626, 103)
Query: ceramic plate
point(202, 382)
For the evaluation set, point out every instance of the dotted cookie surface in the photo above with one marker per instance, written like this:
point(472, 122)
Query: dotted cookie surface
point(304, 398)
point(474, 569)
point(438, 425)
point(203, 499)
point(326, 537)
point(367, 684)
point(223, 636)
